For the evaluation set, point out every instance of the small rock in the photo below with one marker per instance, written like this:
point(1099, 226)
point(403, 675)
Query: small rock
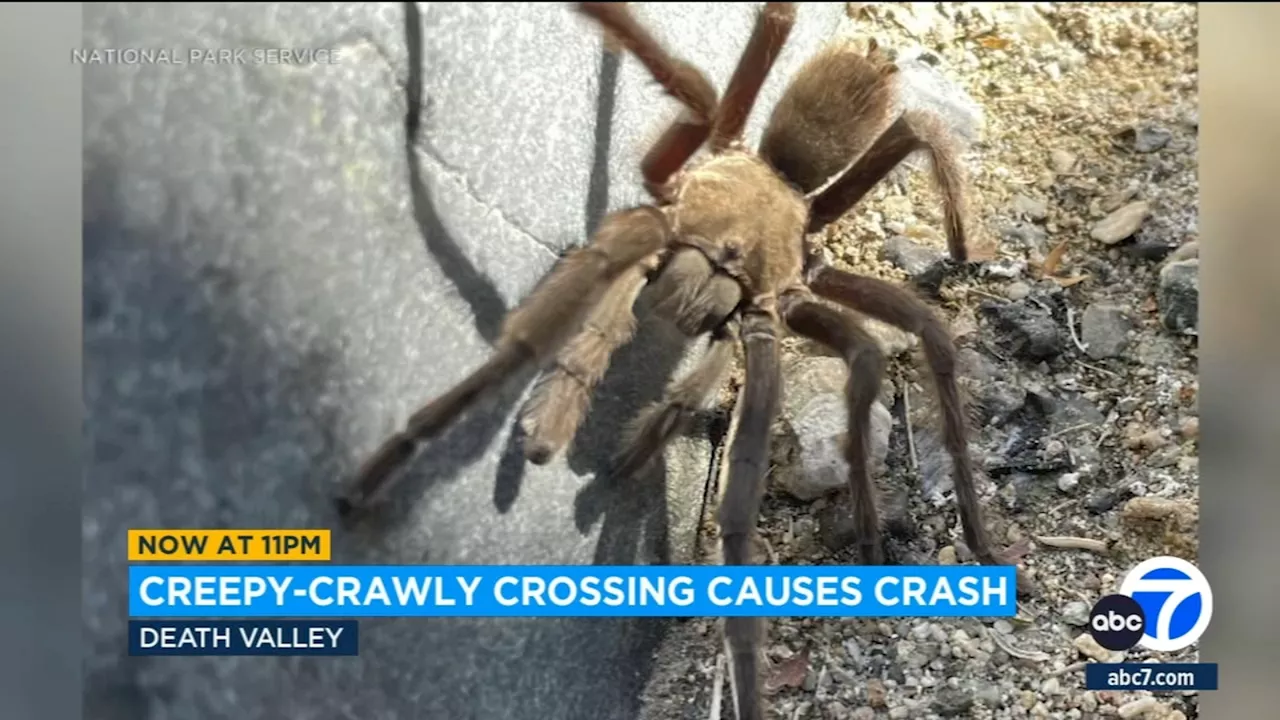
point(900, 713)
point(1051, 686)
point(1137, 708)
point(1030, 208)
point(1167, 457)
point(1068, 482)
point(1025, 329)
point(1061, 161)
point(1178, 296)
point(862, 713)
point(1017, 290)
point(1006, 268)
point(1148, 138)
point(1150, 508)
point(927, 266)
point(1003, 627)
point(815, 413)
point(1091, 649)
point(1076, 613)
point(1189, 429)
point(989, 694)
point(1150, 440)
point(952, 702)
point(1121, 224)
point(1104, 331)
point(1026, 235)
point(1154, 249)
point(876, 692)
point(1186, 251)
point(947, 555)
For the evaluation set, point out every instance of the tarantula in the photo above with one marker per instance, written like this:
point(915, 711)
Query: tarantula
point(723, 248)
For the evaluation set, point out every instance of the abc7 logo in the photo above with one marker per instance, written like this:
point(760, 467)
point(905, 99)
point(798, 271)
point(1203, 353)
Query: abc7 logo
point(1164, 605)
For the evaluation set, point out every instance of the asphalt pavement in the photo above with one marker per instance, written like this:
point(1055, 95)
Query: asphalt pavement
point(275, 278)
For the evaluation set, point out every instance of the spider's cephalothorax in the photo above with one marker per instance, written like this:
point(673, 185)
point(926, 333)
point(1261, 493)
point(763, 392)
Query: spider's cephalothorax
point(724, 255)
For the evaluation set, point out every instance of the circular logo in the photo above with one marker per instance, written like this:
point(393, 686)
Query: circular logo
point(1117, 622)
point(1175, 599)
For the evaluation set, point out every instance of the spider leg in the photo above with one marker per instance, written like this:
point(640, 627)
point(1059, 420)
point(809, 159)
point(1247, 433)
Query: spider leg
point(740, 504)
point(679, 78)
point(530, 333)
point(654, 427)
point(560, 399)
point(894, 305)
point(841, 331)
point(773, 26)
point(911, 132)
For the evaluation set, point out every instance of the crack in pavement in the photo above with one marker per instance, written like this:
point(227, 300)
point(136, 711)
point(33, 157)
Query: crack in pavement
point(459, 176)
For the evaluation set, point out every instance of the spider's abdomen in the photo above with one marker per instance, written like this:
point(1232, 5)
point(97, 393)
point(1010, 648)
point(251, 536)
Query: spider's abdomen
point(832, 111)
point(736, 201)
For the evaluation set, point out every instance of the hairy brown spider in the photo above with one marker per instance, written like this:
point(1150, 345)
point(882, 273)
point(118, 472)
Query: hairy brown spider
point(723, 247)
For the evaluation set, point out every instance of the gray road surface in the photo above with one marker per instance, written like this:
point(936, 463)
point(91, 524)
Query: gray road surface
point(273, 282)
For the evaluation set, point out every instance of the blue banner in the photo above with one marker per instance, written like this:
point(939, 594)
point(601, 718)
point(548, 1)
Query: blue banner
point(1151, 677)
point(244, 637)
point(570, 591)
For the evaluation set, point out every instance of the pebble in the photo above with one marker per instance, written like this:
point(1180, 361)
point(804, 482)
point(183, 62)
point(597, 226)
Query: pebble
point(900, 713)
point(1189, 428)
point(1137, 708)
point(1061, 161)
point(1150, 138)
point(1051, 686)
point(915, 259)
point(1025, 329)
point(1030, 208)
point(1121, 224)
point(1007, 268)
point(862, 713)
point(1159, 508)
point(1104, 330)
point(1178, 296)
point(1017, 290)
point(1150, 440)
point(1076, 613)
point(876, 692)
point(1003, 627)
point(947, 555)
point(989, 694)
point(1090, 648)
point(1068, 482)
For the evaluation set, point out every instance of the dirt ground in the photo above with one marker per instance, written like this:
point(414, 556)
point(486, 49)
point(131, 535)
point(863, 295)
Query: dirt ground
point(1079, 353)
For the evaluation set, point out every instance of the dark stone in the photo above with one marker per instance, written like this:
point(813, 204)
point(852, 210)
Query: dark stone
point(1025, 329)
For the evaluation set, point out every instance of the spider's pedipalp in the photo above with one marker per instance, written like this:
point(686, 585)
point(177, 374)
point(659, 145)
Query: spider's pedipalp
point(560, 399)
point(654, 427)
point(692, 294)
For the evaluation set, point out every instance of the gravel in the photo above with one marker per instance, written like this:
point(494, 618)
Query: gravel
point(1077, 348)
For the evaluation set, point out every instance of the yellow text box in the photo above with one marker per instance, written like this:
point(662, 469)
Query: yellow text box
point(228, 545)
